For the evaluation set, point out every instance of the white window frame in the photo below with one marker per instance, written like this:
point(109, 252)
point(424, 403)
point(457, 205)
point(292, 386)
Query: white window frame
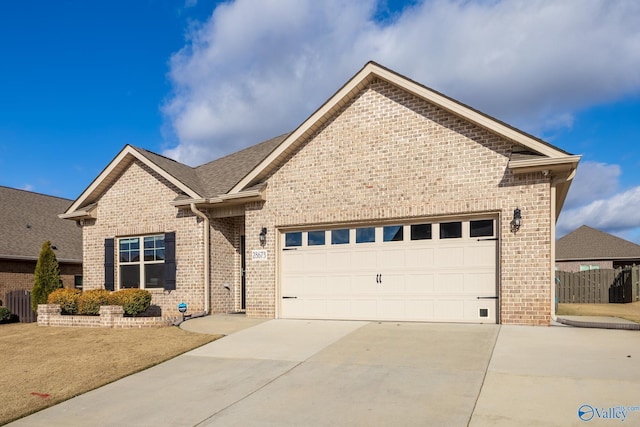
point(141, 260)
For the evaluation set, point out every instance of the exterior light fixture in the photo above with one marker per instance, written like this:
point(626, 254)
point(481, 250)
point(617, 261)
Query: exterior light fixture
point(263, 236)
point(516, 221)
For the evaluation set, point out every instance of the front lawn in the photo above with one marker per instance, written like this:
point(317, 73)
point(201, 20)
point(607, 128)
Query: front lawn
point(630, 311)
point(42, 366)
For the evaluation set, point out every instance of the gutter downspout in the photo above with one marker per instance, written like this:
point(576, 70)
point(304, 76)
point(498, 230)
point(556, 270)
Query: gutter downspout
point(207, 292)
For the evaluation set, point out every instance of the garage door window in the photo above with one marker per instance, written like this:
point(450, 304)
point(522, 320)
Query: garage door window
point(293, 239)
point(451, 230)
point(365, 235)
point(393, 233)
point(340, 237)
point(316, 238)
point(481, 228)
point(421, 232)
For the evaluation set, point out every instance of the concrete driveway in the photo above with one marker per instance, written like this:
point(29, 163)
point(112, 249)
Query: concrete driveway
point(329, 373)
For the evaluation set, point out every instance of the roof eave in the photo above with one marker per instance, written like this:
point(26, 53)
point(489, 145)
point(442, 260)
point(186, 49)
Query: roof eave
point(223, 200)
point(553, 166)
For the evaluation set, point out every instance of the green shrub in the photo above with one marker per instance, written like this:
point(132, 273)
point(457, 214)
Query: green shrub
point(46, 276)
point(67, 298)
point(89, 302)
point(5, 315)
point(133, 301)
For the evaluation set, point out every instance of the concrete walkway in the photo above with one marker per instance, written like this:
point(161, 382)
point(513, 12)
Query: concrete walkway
point(332, 373)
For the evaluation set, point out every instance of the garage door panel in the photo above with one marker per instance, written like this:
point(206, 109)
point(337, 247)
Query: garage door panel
point(294, 262)
point(480, 284)
point(417, 309)
point(364, 309)
point(363, 260)
point(363, 285)
point(391, 284)
point(449, 283)
point(450, 256)
point(421, 280)
point(449, 309)
point(480, 256)
point(314, 261)
point(420, 258)
point(419, 283)
point(339, 260)
point(391, 309)
point(391, 258)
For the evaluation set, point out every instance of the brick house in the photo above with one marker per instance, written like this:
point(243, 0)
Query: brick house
point(390, 202)
point(28, 220)
point(587, 248)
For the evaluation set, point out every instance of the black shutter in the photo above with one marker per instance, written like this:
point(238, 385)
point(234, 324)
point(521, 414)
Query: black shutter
point(109, 265)
point(170, 261)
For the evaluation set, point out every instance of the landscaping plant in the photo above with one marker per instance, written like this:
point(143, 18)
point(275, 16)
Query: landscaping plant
point(5, 315)
point(90, 301)
point(133, 301)
point(46, 276)
point(67, 298)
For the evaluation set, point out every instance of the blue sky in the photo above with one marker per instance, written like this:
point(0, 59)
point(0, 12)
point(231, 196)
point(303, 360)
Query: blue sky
point(196, 80)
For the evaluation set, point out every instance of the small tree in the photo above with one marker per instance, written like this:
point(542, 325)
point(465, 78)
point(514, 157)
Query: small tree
point(47, 276)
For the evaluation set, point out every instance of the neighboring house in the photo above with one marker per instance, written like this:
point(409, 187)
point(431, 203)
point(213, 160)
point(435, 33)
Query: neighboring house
point(390, 202)
point(27, 220)
point(587, 249)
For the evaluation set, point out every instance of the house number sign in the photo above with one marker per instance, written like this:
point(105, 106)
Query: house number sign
point(259, 255)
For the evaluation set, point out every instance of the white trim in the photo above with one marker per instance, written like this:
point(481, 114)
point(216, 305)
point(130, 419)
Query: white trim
point(114, 166)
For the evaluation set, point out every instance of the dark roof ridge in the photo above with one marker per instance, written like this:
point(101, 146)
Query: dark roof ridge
point(35, 193)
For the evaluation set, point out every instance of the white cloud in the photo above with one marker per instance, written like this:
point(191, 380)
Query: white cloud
point(28, 187)
point(616, 214)
point(593, 181)
point(258, 69)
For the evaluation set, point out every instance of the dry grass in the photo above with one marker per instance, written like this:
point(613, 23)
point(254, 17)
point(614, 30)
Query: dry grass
point(629, 311)
point(42, 366)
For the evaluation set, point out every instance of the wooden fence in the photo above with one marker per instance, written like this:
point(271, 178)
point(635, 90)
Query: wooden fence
point(598, 286)
point(19, 303)
point(626, 286)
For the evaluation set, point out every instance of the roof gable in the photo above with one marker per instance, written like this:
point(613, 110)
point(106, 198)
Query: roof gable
point(542, 151)
point(29, 219)
point(586, 243)
point(172, 171)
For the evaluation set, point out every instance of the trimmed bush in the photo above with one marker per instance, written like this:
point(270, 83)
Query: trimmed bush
point(133, 301)
point(5, 315)
point(67, 298)
point(90, 301)
point(46, 276)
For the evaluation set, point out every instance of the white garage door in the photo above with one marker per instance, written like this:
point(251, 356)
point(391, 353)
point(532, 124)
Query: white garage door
point(432, 271)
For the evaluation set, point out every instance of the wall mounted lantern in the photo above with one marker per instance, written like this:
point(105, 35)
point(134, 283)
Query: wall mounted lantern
point(516, 221)
point(263, 236)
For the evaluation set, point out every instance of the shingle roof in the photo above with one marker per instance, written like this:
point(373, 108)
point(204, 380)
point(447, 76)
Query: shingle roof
point(221, 175)
point(186, 174)
point(586, 243)
point(29, 219)
point(218, 176)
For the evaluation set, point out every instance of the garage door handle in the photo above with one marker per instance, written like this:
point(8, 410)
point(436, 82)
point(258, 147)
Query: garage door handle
point(484, 240)
point(487, 297)
point(289, 297)
point(289, 249)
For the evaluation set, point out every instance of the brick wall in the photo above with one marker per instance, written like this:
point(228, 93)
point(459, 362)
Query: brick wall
point(111, 316)
point(137, 204)
point(17, 275)
point(390, 155)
